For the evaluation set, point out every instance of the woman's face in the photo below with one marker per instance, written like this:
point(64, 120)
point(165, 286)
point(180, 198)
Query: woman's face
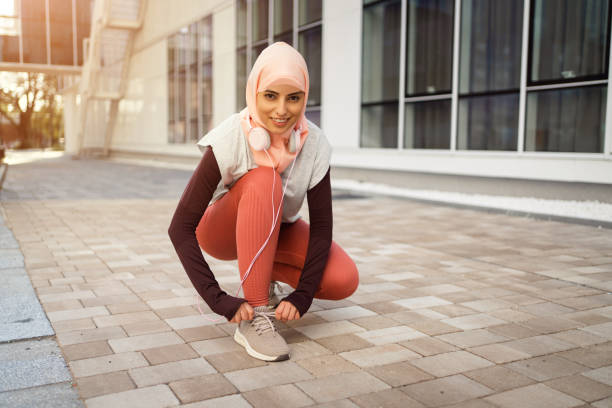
point(279, 107)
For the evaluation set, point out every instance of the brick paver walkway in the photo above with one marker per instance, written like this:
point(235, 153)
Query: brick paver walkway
point(455, 307)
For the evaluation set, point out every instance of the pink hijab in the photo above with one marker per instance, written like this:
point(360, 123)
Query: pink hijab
point(278, 64)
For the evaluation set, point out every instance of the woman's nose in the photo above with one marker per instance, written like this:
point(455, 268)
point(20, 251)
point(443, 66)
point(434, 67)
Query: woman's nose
point(281, 108)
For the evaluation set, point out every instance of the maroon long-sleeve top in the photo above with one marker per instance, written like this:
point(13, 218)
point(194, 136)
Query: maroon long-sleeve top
point(191, 208)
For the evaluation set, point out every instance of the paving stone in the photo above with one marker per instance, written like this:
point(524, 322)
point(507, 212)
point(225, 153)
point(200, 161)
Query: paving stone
point(398, 374)
point(107, 364)
point(200, 333)
point(215, 346)
point(72, 325)
point(342, 403)
point(143, 342)
point(546, 309)
point(31, 363)
point(513, 331)
point(103, 384)
point(604, 403)
point(228, 401)
point(455, 362)
point(317, 331)
point(428, 346)
point(446, 391)
point(471, 322)
point(232, 361)
point(278, 396)
point(472, 338)
point(374, 322)
point(538, 345)
point(533, 396)
point(167, 354)
point(579, 338)
point(197, 320)
point(602, 330)
point(284, 372)
point(386, 399)
point(307, 349)
point(322, 366)
point(595, 356)
point(146, 327)
point(124, 318)
point(86, 350)
point(344, 313)
point(499, 378)
point(390, 335)
point(344, 385)
point(499, 353)
point(158, 396)
point(86, 336)
point(343, 342)
point(433, 327)
point(379, 355)
point(166, 372)
point(46, 396)
point(546, 367)
point(603, 375)
point(581, 387)
point(421, 302)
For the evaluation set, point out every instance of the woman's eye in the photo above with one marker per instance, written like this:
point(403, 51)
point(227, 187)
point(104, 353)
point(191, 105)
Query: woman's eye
point(269, 96)
point(294, 98)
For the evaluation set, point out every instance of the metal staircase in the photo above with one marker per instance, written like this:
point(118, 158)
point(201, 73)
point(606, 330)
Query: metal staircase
point(105, 69)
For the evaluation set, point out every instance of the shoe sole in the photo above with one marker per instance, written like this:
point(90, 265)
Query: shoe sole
point(240, 339)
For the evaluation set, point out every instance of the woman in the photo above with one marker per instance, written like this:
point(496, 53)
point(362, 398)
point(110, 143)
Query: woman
point(258, 164)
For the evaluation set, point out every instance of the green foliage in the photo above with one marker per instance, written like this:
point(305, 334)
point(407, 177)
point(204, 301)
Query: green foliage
point(31, 104)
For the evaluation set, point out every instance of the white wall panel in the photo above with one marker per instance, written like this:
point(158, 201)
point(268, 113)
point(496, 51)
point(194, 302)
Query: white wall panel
point(341, 67)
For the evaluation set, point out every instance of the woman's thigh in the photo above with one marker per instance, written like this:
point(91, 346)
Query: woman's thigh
point(216, 232)
point(340, 276)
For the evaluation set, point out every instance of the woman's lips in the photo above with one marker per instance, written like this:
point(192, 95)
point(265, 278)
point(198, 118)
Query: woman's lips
point(280, 124)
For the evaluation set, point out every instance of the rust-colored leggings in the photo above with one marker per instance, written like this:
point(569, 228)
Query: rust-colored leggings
point(236, 226)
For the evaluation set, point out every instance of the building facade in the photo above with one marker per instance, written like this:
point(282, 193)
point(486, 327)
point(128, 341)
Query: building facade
point(508, 89)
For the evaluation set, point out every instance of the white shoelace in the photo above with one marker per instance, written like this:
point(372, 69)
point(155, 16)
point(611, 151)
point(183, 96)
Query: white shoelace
point(263, 323)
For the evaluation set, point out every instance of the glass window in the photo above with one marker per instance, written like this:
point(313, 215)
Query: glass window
point(241, 23)
point(428, 125)
point(259, 20)
point(205, 47)
point(241, 80)
point(34, 31)
point(310, 48)
point(379, 125)
point(381, 48)
point(429, 47)
point(488, 122)
point(84, 11)
point(314, 116)
point(491, 33)
point(569, 40)
point(255, 51)
point(9, 33)
point(566, 120)
point(283, 17)
point(60, 21)
point(310, 11)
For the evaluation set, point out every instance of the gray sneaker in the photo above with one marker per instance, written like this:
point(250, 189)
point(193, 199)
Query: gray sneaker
point(260, 336)
point(274, 300)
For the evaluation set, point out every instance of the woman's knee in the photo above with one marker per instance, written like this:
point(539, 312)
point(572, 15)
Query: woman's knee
point(343, 283)
point(261, 182)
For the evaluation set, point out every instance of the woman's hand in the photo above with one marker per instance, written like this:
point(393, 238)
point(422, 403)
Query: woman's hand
point(244, 312)
point(286, 311)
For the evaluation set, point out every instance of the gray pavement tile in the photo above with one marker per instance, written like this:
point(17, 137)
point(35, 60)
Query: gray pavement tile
point(30, 363)
point(46, 396)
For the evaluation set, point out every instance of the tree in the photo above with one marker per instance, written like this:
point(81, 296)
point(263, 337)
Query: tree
point(30, 106)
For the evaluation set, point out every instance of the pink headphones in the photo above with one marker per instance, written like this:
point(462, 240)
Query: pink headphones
point(259, 139)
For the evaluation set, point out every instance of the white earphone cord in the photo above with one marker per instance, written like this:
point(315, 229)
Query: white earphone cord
point(274, 221)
